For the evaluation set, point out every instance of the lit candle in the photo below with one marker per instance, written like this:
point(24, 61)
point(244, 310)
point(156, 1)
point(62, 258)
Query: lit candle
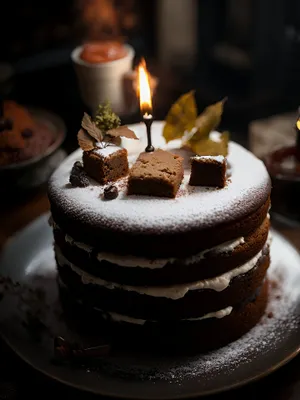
point(144, 93)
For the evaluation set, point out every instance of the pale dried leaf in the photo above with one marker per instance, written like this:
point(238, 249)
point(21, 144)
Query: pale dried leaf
point(209, 147)
point(85, 141)
point(208, 120)
point(122, 131)
point(89, 125)
point(181, 117)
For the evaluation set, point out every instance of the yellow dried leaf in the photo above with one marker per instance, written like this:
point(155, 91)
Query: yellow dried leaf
point(181, 117)
point(210, 147)
point(208, 120)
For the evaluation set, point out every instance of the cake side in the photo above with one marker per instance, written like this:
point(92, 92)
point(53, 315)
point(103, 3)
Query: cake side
point(180, 337)
point(162, 227)
point(143, 264)
point(176, 302)
point(162, 271)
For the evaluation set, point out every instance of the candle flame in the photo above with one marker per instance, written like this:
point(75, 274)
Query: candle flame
point(144, 91)
point(298, 124)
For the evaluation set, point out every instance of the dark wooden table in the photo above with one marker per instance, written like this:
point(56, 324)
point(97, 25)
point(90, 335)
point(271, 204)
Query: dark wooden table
point(18, 380)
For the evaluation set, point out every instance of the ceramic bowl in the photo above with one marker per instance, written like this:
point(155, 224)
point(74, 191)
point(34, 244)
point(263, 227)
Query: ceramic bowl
point(21, 178)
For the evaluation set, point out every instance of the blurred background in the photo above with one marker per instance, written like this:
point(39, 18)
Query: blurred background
point(248, 50)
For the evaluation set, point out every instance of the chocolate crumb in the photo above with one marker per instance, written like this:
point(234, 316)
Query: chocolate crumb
point(274, 284)
point(270, 315)
point(78, 177)
point(78, 164)
point(79, 180)
point(278, 297)
point(111, 192)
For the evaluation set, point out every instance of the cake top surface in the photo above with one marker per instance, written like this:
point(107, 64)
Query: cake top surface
point(106, 150)
point(248, 188)
point(219, 159)
point(159, 164)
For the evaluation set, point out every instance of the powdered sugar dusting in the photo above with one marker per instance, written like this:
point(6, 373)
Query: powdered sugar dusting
point(173, 292)
point(280, 320)
point(215, 136)
point(106, 150)
point(219, 159)
point(132, 261)
point(249, 187)
point(150, 376)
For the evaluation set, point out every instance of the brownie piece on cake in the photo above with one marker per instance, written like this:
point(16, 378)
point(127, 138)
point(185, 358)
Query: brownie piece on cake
point(208, 171)
point(106, 164)
point(158, 173)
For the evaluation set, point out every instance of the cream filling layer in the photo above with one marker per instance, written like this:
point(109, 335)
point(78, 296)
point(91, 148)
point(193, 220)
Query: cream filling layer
point(80, 245)
point(138, 321)
point(123, 318)
point(174, 292)
point(133, 262)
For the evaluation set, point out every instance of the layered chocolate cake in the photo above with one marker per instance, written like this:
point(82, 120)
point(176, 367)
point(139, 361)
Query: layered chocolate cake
point(186, 271)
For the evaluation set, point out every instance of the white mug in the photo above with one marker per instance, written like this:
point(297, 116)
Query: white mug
point(103, 81)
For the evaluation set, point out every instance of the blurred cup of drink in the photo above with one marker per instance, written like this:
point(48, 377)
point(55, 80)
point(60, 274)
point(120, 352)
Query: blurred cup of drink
point(101, 68)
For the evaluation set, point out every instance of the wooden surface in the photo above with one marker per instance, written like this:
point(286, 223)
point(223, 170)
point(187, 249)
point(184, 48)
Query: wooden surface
point(18, 380)
point(16, 217)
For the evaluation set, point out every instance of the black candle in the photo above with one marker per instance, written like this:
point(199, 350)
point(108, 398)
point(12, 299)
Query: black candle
point(148, 119)
point(145, 102)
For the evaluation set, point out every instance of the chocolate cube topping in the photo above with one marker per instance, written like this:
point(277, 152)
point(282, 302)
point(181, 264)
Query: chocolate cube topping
point(208, 171)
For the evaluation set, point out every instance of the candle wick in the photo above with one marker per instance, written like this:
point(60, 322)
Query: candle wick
point(147, 116)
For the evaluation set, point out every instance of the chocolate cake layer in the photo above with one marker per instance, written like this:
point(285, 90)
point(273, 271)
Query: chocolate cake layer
point(202, 304)
point(205, 265)
point(175, 336)
point(158, 245)
point(197, 219)
point(163, 304)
